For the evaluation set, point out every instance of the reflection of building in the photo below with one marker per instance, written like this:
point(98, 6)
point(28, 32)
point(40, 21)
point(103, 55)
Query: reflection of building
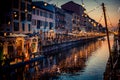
point(43, 18)
point(77, 57)
point(19, 47)
point(16, 16)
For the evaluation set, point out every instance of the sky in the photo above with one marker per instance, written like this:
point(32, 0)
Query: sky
point(94, 9)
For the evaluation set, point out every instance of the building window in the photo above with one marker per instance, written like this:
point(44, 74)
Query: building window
point(16, 15)
point(37, 12)
point(45, 14)
point(41, 13)
point(46, 23)
point(16, 26)
point(41, 22)
point(16, 4)
point(29, 17)
point(51, 16)
point(22, 16)
point(29, 8)
point(29, 27)
point(33, 11)
point(33, 22)
point(22, 6)
point(38, 24)
point(51, 25)
point(23, 26)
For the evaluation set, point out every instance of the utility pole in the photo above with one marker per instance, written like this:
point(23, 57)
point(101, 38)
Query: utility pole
point(119, 35)
point(119, 30)
point(105, 19)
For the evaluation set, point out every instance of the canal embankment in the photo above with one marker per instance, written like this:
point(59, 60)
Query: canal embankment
point(49, 49)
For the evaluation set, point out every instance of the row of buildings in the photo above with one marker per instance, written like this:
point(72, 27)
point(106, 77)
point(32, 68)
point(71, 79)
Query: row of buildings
point(22, 22)
point(27, 17)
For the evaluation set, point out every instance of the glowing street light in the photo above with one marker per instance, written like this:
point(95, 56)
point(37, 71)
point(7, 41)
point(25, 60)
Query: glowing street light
point(33, 7)
point(45, 4)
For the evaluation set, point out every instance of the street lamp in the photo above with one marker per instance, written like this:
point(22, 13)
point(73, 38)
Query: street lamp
point(33, 7)
point(45, 4)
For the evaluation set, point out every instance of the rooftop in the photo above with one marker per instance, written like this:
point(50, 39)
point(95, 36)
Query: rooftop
point(44, 5)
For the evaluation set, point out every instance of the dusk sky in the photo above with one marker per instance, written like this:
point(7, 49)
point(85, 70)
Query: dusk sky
point(112, 9)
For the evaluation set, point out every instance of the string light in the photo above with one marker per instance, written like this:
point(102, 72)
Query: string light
point(101, 17)
point(93, 9)
point(109, 19)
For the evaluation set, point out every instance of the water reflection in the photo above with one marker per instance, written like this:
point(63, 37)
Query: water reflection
point(70, 61)
point(95, 62)
point(76, 61)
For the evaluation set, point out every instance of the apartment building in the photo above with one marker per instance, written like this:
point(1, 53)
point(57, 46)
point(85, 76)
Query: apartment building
point(15, 16)
point(43, 18)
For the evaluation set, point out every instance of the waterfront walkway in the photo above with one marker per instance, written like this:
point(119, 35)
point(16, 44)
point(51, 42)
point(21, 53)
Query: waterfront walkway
point(113, 68)
point(47, 50)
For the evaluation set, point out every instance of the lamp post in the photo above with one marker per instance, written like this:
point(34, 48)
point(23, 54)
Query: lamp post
point(105, 19)
point(119, 32)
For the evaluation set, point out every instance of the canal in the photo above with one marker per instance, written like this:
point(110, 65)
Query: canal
point(81, 62)
point(87, 62)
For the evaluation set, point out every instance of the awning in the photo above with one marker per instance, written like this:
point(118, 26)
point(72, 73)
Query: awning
point(17, 35)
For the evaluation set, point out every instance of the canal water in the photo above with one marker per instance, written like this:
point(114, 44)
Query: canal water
point(92, 58)
point(87, 62)
point(83, 62)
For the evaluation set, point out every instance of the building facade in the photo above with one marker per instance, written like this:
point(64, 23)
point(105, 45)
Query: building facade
point(59, 20)
point(43, 18)
point(78, 11)
point(68, 20)
point(76, 23)
point(16, 17)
